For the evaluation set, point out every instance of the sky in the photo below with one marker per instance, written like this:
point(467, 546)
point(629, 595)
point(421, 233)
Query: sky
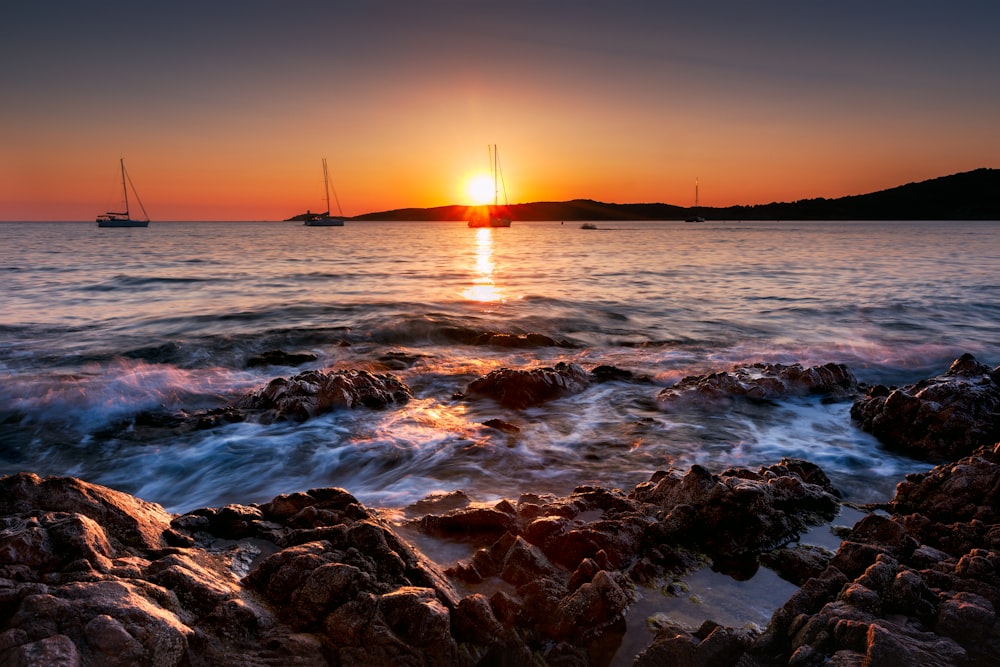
point(224, 110)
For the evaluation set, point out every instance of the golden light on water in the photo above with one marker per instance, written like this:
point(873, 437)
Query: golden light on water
point(483, 286)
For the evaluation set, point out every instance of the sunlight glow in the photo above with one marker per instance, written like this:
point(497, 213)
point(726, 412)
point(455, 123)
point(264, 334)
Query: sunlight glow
point(483, 286)
point(480, 190)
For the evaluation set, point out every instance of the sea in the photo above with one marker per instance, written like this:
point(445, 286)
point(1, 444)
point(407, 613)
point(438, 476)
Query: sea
point(100, 326)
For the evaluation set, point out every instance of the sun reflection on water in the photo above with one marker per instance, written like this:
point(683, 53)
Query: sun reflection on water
point(483, 287)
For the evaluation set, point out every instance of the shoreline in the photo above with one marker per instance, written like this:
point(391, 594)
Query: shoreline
point(316, 577)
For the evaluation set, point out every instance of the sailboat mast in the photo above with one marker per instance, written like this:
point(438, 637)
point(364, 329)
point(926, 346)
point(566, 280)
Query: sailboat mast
point(696, 192)
point(326, 186)
point(493, 170)
point(124, 188)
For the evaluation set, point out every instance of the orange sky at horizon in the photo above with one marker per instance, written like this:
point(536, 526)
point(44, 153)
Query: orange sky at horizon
point(224, 115)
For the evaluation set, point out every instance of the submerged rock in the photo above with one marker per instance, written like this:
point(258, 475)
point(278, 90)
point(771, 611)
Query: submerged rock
point(520, 389)
point(281, 358)
point(313, 393)
point(760, 381)
point(468, 336)
point(941, 418)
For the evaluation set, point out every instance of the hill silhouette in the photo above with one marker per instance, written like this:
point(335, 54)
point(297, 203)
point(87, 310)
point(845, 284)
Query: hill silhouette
point(971, 195)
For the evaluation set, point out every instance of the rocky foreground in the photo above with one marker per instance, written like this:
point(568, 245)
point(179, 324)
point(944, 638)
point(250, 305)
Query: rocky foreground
point(93, 576)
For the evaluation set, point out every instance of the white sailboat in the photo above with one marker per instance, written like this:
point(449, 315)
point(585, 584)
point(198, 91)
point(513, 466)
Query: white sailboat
point(493, 216)
point(325, 219)
point(694, 217)
point(124, 219)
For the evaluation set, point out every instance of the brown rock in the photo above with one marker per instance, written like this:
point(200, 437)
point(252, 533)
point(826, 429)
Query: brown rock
point(940, 418)
point(521, 389)
point(133, 523)
point(759, 382)
point(314, 392)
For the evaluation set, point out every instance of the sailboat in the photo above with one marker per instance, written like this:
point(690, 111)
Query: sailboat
point(325, 219)
point(493, 216)
point(124, 219)
point(695, 217)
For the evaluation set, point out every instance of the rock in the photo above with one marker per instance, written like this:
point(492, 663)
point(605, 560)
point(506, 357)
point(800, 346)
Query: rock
point(470, 520)
point(89, 576)
point(503, 426)
point(738, 513)
point(467, 336)
point(963, 491)
point(281, 358)
point(521, 389)
point(313, 393)
point(942, 418)
point(398, 360)
point(530, 340)
point(918, 586)
point(759, 382)
point(440, 502)
point(475, 621)
point(710, 646)
point(797, 564)
point(133, 524)
point(76, 590)
point(574, 560)
point(614, 374)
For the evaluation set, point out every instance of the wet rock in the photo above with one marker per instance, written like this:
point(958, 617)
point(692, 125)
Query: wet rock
point(501, 425)
point(797, 564)
point(964, 491)
point(281, 358)
point(941, 418)
point(760, 381)
point(529, 340)
point(520, 389)
point(314, 392)
point(466, 336)
point(470, 520)
point(132, 523)
point(614, 374)
point(475, 621)
point(575, 560)
point(739, 513)
point(440, 502)
point(918, 586)
point(710, 646)
point(108, 590)
point(89, 576)
point(397, 361)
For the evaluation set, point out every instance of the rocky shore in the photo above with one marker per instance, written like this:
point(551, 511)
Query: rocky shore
point(93, 576)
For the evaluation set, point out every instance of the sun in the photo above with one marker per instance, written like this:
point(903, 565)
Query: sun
point(480, 189)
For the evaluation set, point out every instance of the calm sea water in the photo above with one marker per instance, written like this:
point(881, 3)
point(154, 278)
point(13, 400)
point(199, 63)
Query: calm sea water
point(97, 325)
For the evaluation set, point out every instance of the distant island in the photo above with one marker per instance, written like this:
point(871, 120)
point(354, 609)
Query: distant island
point(971, 195)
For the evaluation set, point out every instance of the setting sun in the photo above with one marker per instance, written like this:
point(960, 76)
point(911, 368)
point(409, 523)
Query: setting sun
point(480, 190)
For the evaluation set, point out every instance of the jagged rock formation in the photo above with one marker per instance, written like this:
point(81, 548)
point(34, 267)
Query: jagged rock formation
point(940, 418)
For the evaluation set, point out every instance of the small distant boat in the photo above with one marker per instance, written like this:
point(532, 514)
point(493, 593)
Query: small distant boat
point(124, 219)
point(695, 217)
point(493, 216)
point(325, 219)
point(588, 225)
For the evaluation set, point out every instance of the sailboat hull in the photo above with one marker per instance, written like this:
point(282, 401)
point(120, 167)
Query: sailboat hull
point(490, 222)
point(325, 222)
point(123, 223)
